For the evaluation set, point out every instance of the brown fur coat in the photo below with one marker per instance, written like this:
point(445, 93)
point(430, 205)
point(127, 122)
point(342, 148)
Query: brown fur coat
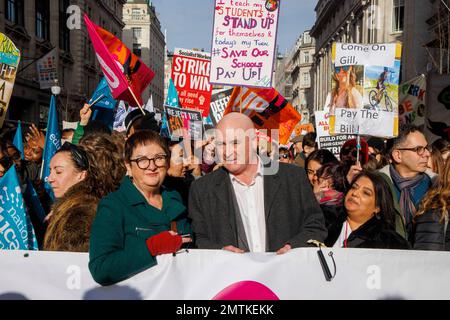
point(70, 225)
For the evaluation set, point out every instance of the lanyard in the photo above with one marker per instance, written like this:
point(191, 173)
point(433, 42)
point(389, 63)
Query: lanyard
point(345, 235)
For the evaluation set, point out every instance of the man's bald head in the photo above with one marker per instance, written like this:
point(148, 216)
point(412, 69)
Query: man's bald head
point(236, 142)
point(235, 120)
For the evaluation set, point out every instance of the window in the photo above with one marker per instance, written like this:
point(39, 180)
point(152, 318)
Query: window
point(42, 19)
point(137, 49)
point(135, 12)
point(64, 32)
point(306, 80)
point(14, 11)
point(137, 32)
point(398, 19)
point(305, 57)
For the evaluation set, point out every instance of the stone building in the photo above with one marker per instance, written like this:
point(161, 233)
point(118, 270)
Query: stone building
point(143, 34)
point(38, 26)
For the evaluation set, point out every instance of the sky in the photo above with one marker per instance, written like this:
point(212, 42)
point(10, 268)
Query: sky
point(189, 22)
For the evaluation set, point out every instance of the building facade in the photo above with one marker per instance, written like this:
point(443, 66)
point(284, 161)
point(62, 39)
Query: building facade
point(369, 21)
point(143, 34)
point(38, 26)
point(300, 66)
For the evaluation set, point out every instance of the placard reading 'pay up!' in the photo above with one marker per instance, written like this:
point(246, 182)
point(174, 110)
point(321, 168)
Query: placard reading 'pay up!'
point(243, 47)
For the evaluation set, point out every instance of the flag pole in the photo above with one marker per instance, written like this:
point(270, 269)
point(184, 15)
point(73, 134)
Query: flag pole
point(136, 100)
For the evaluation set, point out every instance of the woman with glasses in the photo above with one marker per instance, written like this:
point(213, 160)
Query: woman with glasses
point(142, 219)
point(80, 176)
point(285, 156)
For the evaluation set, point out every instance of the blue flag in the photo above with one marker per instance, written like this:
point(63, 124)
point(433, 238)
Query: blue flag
point(172, 100)
point(103, 104)
point(52, 144)
point(17, 232)
point(18, 141)
point(32, 199)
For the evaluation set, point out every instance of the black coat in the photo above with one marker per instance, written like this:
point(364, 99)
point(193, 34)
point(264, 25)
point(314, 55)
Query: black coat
point(292, 213)
point(430, 233)
point(374, 234)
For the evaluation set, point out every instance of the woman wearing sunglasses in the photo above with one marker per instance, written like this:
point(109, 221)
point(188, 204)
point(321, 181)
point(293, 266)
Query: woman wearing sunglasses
point(142, 219)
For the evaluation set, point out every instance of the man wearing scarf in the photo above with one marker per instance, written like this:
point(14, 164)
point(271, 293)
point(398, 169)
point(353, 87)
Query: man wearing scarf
point(408, 176)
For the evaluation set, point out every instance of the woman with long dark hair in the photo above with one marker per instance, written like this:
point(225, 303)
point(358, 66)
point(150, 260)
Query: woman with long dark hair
point(368, 218)
point(431, 221)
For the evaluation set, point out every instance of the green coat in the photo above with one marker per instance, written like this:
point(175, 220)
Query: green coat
point(123, 223)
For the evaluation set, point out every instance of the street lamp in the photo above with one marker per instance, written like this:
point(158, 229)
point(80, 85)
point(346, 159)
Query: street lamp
point(56, 90)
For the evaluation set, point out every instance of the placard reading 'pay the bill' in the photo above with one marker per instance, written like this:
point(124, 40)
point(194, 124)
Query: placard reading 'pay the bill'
point(243, 47)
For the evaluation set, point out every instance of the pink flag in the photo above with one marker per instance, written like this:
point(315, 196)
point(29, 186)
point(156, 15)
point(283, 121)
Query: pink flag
point(126, 74)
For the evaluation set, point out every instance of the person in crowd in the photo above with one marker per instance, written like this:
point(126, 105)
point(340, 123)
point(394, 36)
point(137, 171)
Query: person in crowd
point(329, 189)
point(309, 144)
point(316, 160)
point(136, 120)
point(377, 154)
point(67, 135)
point(436, 160)
point(408, 176)
point(431, 227)
point(142, 219)
point(80, 176)
point(246, 206)
point(25, 169)
point(443, 146)
point(368, 218)
point(285, 155)
point(178, 170)
point(297, 150)
point(5, 161)
point(349, 158)
point(86, 126)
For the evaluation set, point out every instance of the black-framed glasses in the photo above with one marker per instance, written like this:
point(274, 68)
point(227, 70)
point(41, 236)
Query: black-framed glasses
point(284, 156)
point(143, 163)
point(419, 150)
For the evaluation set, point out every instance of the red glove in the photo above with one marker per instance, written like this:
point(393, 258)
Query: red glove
point(164, 243)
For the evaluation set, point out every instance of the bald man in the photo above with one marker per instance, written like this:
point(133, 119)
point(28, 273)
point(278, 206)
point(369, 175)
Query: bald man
point(247, 207)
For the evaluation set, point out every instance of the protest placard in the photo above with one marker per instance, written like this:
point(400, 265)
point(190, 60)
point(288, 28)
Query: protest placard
point(437, 124)
point(412, 102)
point(268, 109)
point(243, 45)
point(47, 68)
point(184, 122)
point(190, 75)
point(9, 61)
point(365, 80)
point(324, 139)
point(219, 101)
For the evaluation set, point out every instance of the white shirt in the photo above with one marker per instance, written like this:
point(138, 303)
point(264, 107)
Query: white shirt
point(345, 233)
point(250, 199)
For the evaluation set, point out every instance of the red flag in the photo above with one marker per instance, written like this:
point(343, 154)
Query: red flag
point(126, 74)
point(267, 108)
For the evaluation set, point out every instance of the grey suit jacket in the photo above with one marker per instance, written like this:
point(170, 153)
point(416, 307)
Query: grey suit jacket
point(292, 213)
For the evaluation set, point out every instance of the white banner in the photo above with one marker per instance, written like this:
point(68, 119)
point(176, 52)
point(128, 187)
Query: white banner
point(204, 274)
point(47, 68)
point(348, 54)
point(243, 45)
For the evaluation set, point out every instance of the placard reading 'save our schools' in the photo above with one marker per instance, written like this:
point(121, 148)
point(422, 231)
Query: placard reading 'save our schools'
point(243, 47)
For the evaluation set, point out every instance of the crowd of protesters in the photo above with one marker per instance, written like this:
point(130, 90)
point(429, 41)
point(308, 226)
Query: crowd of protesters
point(127, 197)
